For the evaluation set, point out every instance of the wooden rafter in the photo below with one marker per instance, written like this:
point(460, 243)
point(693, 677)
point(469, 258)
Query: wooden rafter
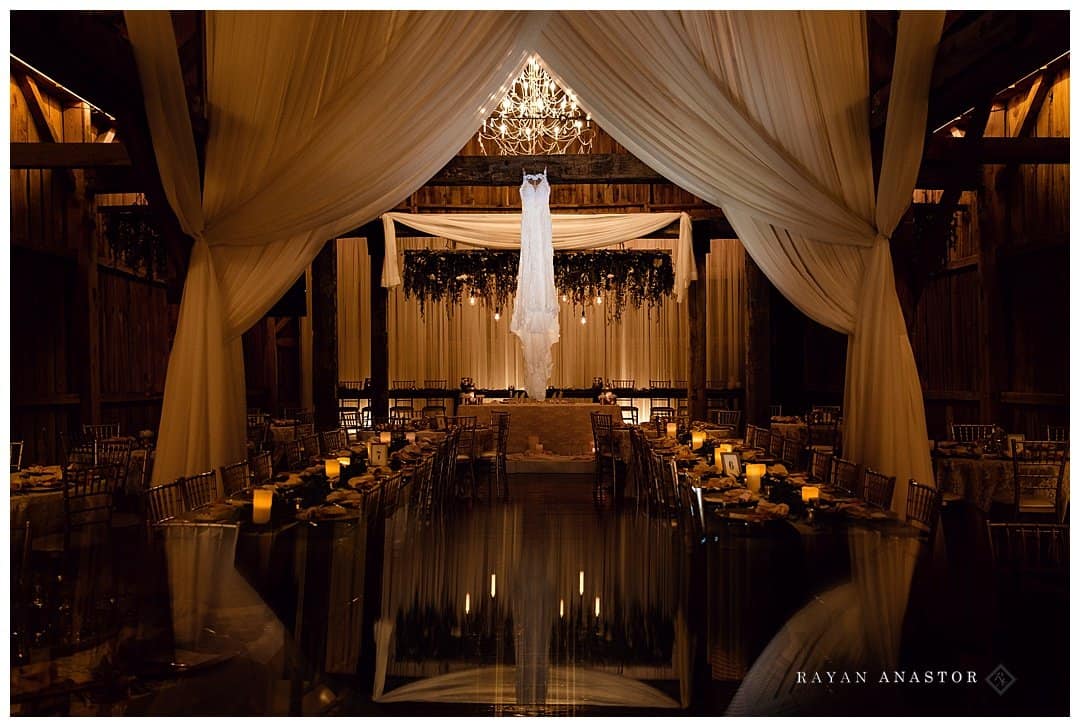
point(35, 104)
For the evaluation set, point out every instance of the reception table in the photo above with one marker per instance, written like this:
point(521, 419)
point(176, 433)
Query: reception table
point(563, 427)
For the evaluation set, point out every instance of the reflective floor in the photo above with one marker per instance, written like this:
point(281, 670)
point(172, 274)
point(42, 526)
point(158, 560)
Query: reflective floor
point(553, 602)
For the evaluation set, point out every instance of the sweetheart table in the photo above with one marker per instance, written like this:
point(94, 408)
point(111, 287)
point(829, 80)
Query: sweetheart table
point(563, 427)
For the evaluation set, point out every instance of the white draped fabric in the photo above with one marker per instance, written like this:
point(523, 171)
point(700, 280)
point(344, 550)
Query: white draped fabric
point(568, 232)
point(645, 344)
point(321, 121)
point(317, 122)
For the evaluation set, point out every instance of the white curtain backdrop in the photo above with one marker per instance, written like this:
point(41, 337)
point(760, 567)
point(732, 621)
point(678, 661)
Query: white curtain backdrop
point(321, 121)
point(643, 345)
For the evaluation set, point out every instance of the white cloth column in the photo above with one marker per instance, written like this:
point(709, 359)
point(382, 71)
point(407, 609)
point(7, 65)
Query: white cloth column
point(300, 106)
point(354, 309)
point(725, 313)
point(766, 114)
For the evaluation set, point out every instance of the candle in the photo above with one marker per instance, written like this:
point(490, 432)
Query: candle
point(384, 437)
point(598, 606)
point(754, 473)
point(581, 583)
point(697, 440)
point(534, 443)
point(724, 448)
point(333, 467)
point(809, 492)
point(410, 437)
point(263, 499)
point(466, 603)
point(562, 608)
point(493, 585)
point(672, 429)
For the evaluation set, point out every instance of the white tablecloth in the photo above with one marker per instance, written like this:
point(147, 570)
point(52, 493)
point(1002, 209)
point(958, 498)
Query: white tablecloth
point(563, 428)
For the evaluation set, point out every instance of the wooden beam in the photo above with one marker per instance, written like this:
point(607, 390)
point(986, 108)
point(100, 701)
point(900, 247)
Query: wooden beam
point(982, 58)
point(380, 339)
point(976, 149)
point(698, 329)
point(758, 370)
point(324, 353)
point(1037, 94)
point(505, 171)
point(994, 228)
point(35, 104)
point(58, 155)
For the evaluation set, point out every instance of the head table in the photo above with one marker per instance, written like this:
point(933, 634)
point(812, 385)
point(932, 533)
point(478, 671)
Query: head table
point(562, 427)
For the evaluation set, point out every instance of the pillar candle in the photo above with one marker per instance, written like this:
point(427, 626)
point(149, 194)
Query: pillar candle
point(724, 448)
point(810, 492)
point(263, 499)
point(410, 437)
point(384, 437)
point(672, 429)
point(754, 473)
point(697, 440)
point(333, 467)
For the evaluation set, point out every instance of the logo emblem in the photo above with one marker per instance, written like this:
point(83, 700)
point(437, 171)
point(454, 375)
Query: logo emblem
point(1000, 679)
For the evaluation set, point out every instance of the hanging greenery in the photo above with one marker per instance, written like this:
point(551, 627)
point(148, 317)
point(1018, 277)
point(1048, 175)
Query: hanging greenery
point(620, 277)
point(134, 241)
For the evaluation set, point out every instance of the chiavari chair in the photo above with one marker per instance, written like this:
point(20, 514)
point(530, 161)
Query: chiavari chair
point(1039, 473)
point(101, 431)
point(435, 385)
point(496, 458)
point(728, 419)
point(366, 420)
point(629, 415)
point(88, 494)
point(332, 441)
point(310, 449)
point(776, 410)
point(431, 413)
point(262, 468)
point(622, 384)
point(300, 415)
point(682, 402)
point(199, 490)
point(258, 428)
point(467, 446)
point(660, 401)
point(662, 414)
point(349, 421)
point(923, 508)
point(235, 477)
point(400, 385)
point(401, 414)
point(776, 444)
point(1057, 433)
point(294, 454)
point(820, 465)
point(1031, 547)
point(845, 476)
point(972, 432)
point(164, 501)
point(825, 413)
point(877, 489)
point(604, 451)
point(627, 387)
point(789, 452)
point(116, 451)
point(750, 435)
point(303, 430)
point(762, 438)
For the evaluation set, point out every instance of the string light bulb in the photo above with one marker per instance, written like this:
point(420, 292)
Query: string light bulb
point(498, 315)
point(584, 320)
point(472, 300)
point(599, 299)
point(565, 297)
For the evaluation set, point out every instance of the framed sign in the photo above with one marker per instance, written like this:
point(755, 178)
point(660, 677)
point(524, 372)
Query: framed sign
point(379, 454)
point(731, 464)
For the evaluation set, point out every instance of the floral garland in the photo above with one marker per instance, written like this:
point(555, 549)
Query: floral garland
point(620, 277)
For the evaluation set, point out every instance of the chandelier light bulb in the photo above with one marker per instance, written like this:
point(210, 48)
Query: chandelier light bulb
point(564, 298)
point(599, 299)
point(498, 315)
point(583, 319)
point(472, 300)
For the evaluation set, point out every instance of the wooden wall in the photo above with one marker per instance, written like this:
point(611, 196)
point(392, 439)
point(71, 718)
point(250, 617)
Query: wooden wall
point(65, 285)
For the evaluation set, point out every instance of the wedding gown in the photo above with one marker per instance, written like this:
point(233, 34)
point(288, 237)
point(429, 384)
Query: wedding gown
point(536, 308)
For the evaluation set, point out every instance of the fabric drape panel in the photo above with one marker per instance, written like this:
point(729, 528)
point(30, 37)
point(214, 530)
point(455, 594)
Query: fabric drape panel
point(643, 345)
point(300, 105)
point(569, 232)
point(767, 115)
point(726, 313)
point(354, 309)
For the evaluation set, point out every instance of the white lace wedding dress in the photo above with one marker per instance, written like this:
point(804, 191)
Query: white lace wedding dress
point(536, 307)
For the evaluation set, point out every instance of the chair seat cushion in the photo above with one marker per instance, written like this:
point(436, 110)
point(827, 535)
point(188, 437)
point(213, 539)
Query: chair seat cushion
point(488, 454)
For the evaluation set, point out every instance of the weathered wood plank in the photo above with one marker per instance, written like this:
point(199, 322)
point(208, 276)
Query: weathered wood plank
point(77, 155)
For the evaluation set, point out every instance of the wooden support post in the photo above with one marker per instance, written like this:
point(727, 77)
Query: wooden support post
point(757, 378)
point(698, 305)
point(87, 327)
point(993, 228)
point(380, 341)
point(324, 374)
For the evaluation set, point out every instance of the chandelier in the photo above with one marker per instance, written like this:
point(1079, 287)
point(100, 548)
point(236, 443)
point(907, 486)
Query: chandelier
point(537, 117)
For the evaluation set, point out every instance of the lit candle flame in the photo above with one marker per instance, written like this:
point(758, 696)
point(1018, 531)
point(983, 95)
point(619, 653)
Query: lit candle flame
point(493, 585)
point(466, 603)
point(581, 583)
